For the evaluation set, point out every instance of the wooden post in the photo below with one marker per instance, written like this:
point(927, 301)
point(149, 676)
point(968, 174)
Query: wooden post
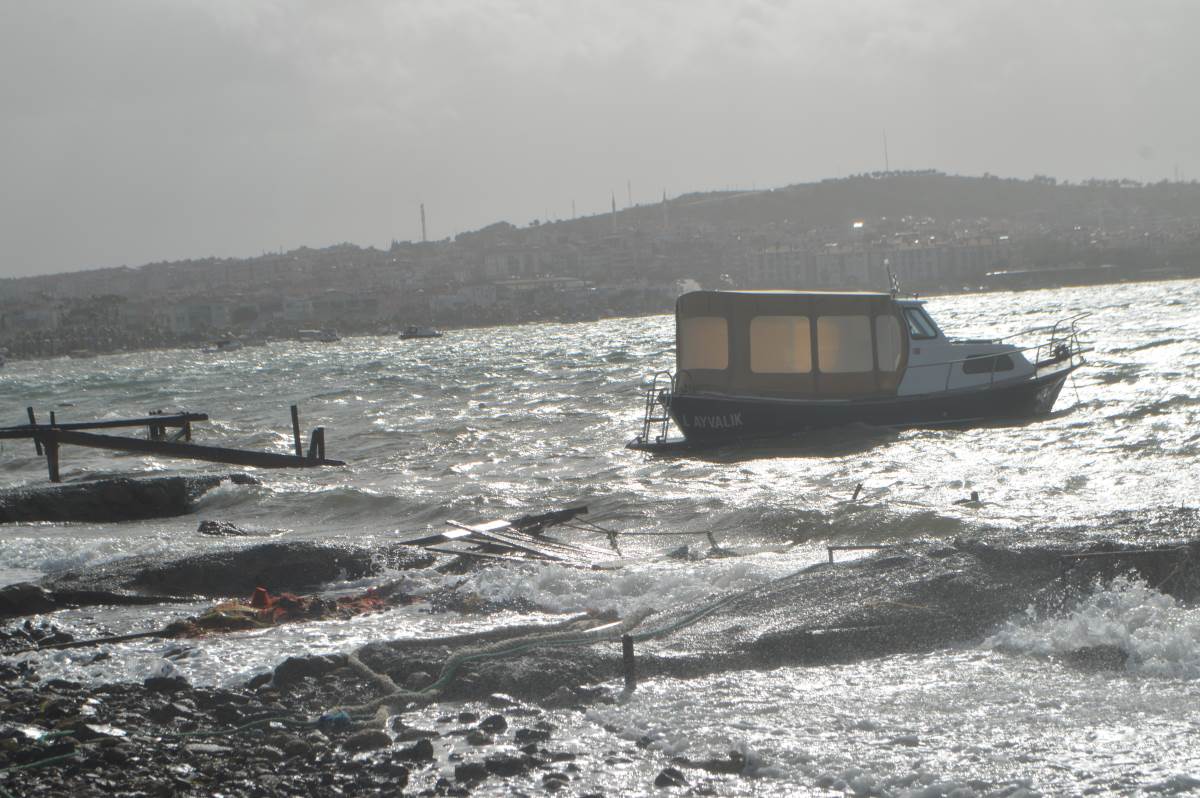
point(187, 431)
point(296, 431)
point(316, 444)
point(37, 443)
point(52, 458)
point(627, 657)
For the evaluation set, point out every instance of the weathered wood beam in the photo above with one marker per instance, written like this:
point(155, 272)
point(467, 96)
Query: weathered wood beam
point(33, 429)
point(190, 451)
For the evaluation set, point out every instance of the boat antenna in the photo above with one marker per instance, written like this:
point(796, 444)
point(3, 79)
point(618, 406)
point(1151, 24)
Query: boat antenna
point(893, 280)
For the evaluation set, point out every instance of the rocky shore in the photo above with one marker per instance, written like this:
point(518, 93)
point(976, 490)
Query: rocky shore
point(482, 712)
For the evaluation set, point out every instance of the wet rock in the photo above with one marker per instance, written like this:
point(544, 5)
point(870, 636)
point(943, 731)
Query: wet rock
point(734, 763)
point(506, 765)
point(226, 529)
point(494, 724)
point(173, 683)
point(420, 751)
point(278, 566)
point(293, 669)
point(110, 500)
point(477, 737)
point(367, 740)
point(670, 777)
point(25, 598)
point(294, 746)
point(467, 717)
point(531, 735)
point(408, 735)
point(555, 781)
point(470, 772)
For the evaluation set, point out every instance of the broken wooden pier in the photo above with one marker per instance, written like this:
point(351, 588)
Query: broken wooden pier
point(48, 438)
point(522, 539)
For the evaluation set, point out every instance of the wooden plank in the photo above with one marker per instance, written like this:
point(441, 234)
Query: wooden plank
point(459, 532)
point(32, 429)
point(566, 549)
point(191, 451)
point(494, 537)
point(540, 547)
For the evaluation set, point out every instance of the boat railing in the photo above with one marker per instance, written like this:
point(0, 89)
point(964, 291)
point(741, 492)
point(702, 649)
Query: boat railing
point(1062, 349)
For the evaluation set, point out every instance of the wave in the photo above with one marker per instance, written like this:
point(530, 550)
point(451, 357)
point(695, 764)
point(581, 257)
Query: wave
point(1159, 635)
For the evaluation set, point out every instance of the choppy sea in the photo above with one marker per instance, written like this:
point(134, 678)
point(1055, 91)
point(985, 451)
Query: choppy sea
point(499, 422)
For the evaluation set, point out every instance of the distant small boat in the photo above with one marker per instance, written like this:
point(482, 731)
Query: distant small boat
point(224, 345)
point(418, 331)
point(323, 336)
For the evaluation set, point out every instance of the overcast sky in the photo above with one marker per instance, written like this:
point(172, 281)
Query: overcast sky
point(142, 130)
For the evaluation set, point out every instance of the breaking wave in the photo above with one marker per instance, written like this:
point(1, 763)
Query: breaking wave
point(1159, 635)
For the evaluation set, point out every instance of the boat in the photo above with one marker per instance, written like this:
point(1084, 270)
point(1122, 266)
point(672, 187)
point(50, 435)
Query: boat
point(323, 336)
point(753, 364)
point(223, 345)
point(418, 331)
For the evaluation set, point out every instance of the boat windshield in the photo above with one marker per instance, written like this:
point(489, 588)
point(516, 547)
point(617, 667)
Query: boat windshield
point(919, 324)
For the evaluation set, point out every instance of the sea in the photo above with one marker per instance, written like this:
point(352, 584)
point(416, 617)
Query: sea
point(499, 422)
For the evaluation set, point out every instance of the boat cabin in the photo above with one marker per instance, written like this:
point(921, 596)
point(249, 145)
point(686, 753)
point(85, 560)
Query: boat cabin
point(827, 346)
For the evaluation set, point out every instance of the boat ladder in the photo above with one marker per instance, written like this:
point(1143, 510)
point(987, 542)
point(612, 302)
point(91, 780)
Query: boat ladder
point(656, 418)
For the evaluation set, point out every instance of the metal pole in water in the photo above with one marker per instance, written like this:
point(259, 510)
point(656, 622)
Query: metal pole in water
point(627, 656)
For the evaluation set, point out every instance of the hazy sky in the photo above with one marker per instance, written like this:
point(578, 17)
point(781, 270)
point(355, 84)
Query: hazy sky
point(141, 130)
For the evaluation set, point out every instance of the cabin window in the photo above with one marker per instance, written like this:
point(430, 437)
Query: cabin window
point(704, 343)
point(985, 364)
point(780, 345)
point(887, 343)
point(844, 344)
point(919, 324)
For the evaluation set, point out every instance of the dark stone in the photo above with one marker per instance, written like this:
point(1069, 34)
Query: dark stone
point(24, 598)
point(467, 717)
point(670, 777)
point(408, 735)
point(166, 684)
point(470, 772)
point(420, 751)
point(506, 765)
point(367, 740)
point(494, 724)
point(297, 747)
point(293, 669)
point(477, 737)
point(555, 781)
point(531, 735)
point(108, 500)
point(227, 530)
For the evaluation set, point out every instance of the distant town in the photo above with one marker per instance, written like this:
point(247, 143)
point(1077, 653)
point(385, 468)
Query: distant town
point(934, 232)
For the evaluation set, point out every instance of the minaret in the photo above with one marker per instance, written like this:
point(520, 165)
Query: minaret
point(424, 238)
point(614, 212)
point(666, 212)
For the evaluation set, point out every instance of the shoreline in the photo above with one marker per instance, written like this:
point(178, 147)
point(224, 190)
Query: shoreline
point(393, 329)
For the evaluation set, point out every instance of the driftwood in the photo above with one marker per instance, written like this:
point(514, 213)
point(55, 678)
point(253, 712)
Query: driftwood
point(519, 540)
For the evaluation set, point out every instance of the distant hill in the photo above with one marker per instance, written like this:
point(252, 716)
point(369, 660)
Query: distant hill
point(927, 194)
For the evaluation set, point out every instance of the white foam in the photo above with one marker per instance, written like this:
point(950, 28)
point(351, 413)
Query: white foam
point(557, 588)
point(1160, 635)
